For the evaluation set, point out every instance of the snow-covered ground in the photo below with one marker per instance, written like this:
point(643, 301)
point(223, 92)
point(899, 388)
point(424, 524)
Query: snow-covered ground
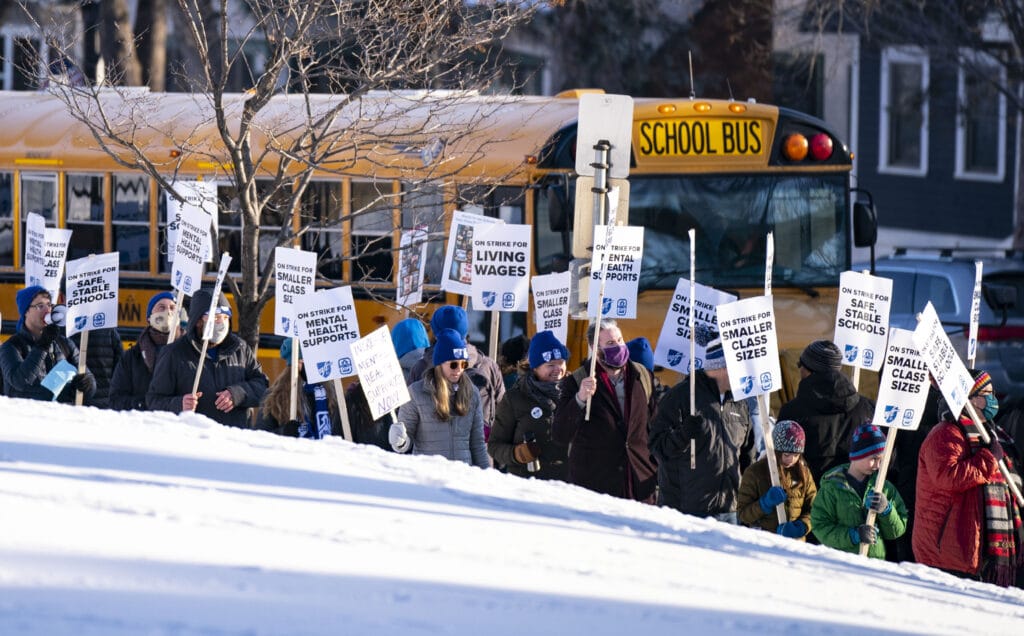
point(146, 523)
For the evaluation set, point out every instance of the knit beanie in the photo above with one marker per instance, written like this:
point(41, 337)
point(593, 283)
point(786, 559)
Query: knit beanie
point(640, 351)
point(821, 356)
point(788, 437)
point(545, 347)
point(408, 335)
point(449, 317)
point(24, 300)
point(286, 350)
point(981, 380)
point(714, 355)
point(868, 440)
point(155, 299)
point(449, 346)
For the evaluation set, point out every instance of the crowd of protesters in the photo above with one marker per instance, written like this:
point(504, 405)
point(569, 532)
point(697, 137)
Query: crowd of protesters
point(605, 423)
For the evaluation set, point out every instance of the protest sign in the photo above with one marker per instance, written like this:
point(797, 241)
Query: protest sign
point(673, 350)
point(191, 250)
point(862, 319)
point(380, 374)
point(35, 249)
point(222, 273)
point(413, 256)
point(618, 260)
point(944, 364)
point(972, 331)
point(903, 390)
point(501, 268)
point(551, 303)
point(457, 275)
point(750, 341)
point(327, 326)
point(91, 292)
point(199, 195)
point(294, 277)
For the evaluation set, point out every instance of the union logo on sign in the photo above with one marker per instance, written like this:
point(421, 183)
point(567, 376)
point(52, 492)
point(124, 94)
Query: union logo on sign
point(674, 357)
point(869, 356)
point(766, 381)
point(747, 384)
point(606, 306)
point(508, 300)
point(345, 364)
point(98, 320)
point(324, 368)
point(81, 322)
point(489, 297)
point(891, 411)
point(851, 353)
point(285, 324)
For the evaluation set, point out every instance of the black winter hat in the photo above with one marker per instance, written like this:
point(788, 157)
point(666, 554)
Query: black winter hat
point(821, 356)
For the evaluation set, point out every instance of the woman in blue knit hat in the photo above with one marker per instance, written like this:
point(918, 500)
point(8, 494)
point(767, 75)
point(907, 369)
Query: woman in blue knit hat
point(134, 372)
point(521, 436)
point(443, 416)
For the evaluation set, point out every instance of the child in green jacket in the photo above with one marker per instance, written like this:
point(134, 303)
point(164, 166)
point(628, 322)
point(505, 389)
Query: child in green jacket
point(846, 494)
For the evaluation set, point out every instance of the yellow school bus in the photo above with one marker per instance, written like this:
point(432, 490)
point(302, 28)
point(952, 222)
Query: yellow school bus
point(732, 170)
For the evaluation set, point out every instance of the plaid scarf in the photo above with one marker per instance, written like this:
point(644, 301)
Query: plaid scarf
point(1004, 531)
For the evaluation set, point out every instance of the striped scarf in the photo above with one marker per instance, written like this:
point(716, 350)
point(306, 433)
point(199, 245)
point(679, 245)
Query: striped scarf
point(1004, 531)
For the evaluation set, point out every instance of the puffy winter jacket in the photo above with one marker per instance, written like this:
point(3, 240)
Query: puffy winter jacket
point(102, 358)
point(461, 438)
point(484, 373)
point(24, 366)
point(520, 412)
point(838, 507)
point(133, 374)
point(800, 493)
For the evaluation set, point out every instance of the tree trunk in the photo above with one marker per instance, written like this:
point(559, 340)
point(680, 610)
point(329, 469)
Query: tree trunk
point(91, 36)
point(151, 27)
point(118, 45)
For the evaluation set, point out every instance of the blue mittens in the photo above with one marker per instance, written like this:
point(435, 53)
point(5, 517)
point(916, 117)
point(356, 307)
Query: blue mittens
point(772, 498)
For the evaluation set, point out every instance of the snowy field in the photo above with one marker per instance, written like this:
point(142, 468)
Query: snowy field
point(142, 523)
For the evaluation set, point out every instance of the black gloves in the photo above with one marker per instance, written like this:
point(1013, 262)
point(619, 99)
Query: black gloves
point(864, 534)
point(291, 428)
point(50, 332)
point(878, 502)
point(691, 426)
point(84, 382)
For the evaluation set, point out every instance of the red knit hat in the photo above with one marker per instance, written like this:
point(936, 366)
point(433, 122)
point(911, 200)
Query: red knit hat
point(868, 440)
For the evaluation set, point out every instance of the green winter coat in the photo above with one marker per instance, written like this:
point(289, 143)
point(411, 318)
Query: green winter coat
point(838, 507)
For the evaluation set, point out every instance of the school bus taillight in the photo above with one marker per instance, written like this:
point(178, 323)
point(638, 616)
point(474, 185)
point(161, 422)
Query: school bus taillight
point(821, 147)
point(795, 147)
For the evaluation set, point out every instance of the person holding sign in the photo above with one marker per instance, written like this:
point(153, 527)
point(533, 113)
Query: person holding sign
point(444, 415)
point(232, 380)
point(608, 452)
point(410, 339)
point(706, 483)
point(757, 498)
point(318, 412)
point(847, 493)
point(967, 522)
point(38, 354)
point(134, 373)
point(529, 408)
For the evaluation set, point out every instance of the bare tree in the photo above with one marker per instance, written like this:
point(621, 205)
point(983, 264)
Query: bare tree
point(270, 140)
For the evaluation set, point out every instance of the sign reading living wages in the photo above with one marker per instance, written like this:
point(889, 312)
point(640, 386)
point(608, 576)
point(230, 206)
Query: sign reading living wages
point(380, 374)
point(903, 389)
point(751, 346)
point(294, 277)
point(673, 348)
point(862, 319)
point(501, 268)
point(620, 259)
point(551, 303)
point(92, 293)
point(327, 327)
point(191, 250)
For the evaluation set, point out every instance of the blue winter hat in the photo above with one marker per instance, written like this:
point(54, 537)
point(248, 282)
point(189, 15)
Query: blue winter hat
point(409, 335)
point(286, 350)
point(449, 317)
point(868, 440)
point(155, 299)
point(545, 347)
point(640, 351)
point(449, 346)
point(24, 300)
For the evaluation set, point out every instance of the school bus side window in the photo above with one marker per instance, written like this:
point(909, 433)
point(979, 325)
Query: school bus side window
point(321, 218)
point(131, 221)
point(84, 214)
point(372, 205)
point(6, 220)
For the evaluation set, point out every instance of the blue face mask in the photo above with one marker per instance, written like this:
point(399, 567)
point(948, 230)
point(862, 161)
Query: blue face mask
point(991, 407)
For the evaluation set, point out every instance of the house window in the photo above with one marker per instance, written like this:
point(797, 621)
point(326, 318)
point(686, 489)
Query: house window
point(22, 59)
point(980, 119)
point(903, 129)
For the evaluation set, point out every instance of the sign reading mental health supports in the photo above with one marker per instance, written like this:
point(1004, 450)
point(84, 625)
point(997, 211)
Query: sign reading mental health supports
point(620, 258)
point(862, 319)
point(327, 327)
point(294, 277)
point(457, 276)
point(199, 195)
point(412, 256)
point(380, 374)
point(35, 250)
point(92, 293)
point(944, 364)
point(673, 348)
point(191, 250)
point(751, 346)
point(903, 391)
point(551, 303)
point(501, 268)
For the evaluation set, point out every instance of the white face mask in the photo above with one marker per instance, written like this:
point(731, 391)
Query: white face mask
point(161, 320)
point(220, 331)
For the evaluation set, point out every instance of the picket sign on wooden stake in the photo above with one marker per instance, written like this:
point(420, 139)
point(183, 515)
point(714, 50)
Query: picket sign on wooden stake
point(339, 392)
point(693, 348)
point(82, 352)
point(762, 400)
point(179, 299)
point(883, 469)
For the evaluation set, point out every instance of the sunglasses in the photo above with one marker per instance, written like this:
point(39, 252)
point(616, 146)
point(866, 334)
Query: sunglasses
point(455, 365)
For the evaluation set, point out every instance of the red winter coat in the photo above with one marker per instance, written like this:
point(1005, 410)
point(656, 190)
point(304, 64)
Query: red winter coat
point(949, 522)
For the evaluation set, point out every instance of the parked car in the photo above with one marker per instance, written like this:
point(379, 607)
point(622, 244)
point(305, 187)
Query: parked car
point(948, 282)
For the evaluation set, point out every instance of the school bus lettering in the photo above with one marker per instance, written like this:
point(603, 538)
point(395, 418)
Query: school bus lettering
point(700, 137)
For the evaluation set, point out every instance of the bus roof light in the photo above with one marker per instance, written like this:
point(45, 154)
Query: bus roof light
point(795, 147)
point(702, 107)
point(666, 109)
point(821, 147)
point(737, 107)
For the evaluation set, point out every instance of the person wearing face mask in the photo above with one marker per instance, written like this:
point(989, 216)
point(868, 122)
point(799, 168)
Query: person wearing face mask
point(134, 373)
point(232, 380)
point(443, 416)
point(608, 453)
point(521, 436)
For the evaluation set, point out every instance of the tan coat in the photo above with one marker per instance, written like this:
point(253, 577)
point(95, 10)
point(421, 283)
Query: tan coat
point(756, 480)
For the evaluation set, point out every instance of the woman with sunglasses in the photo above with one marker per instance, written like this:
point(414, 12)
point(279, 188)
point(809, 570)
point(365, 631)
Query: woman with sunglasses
point(444, 416)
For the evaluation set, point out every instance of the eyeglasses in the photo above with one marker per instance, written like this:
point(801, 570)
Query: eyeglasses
point(42, 306)
point(455, 365)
